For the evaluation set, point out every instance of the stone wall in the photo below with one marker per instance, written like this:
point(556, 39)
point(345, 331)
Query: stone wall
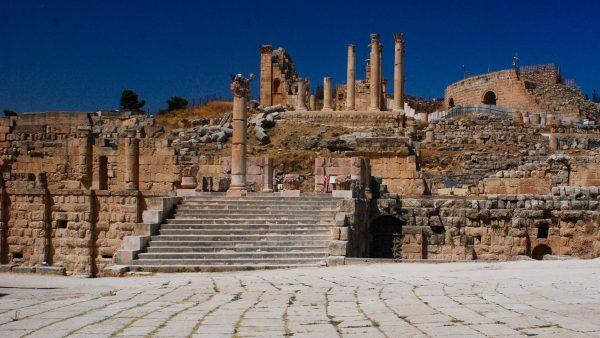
point(502, 226)
point(74, 185)
point(346, 118)
point(509, 91)
point(213, 173)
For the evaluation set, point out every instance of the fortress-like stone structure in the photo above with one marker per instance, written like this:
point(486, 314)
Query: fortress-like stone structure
point(81, 192)
point(534, 89)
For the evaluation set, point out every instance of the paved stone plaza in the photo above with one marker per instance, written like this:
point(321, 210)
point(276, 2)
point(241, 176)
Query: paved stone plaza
point(548, 298)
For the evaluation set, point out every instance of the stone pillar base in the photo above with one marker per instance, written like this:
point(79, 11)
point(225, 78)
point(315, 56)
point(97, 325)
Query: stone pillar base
point(327, 109)
point(236, 193)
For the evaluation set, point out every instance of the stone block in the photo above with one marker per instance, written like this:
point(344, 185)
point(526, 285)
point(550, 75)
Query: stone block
point(135, 242)
point(6, 267)
point(338, 248)
point(336, 260)
point(345, 233)
point(340, 219)
point(51, 270)
point(23, 269)
point(347, 194)
point(153, 216)
point(289, 193)
point(125, 256)
point(115, 270)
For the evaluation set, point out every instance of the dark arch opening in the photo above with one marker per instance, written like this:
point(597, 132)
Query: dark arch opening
point(276, 84)
point(539, 252)
point(451, 103)
point(386, 234)
point(489, 98)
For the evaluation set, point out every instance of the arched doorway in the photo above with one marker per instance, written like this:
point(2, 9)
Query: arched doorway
point(451, 103)
point(386, 234)
point(539, 252)
point(489, 98)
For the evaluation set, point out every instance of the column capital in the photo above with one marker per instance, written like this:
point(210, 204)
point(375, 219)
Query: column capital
point(240, 86)
point(266, 48)
point(399, 38)
point(374, 37)
point(351, 47)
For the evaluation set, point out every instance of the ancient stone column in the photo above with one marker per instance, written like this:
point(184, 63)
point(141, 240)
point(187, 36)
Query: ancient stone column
point(327, 94)
point(374, 74)
point(312, 102)
point(351, 78)
point(301, 105)
point(132, 154)
point(266, 75)
point(240, 87)
point(268, 174)
point(85, 155)
point(380, 83)
point(398, 73)
point(554, 145)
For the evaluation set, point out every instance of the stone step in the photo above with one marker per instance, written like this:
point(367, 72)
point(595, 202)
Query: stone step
point(181, 243)
point(231, 255)
point(299, 221)
point(218, 268)
point(222, 207)
point(254, 213)
point(273, 227)
point(248, 238)
point(238, 232)
point(262, 197)
point(231, 261)
point(238, 249)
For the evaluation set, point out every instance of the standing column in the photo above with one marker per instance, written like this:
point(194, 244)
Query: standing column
point(398, 72)
point(132, 153)
point(374, 74)
point(312, 102)
point(266, 75)
point(327, 94)
point(240, 87)
point(301, 105)
point(351, 78)
point(380, 83)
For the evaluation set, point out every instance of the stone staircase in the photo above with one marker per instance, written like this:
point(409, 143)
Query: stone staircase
point(213, 232)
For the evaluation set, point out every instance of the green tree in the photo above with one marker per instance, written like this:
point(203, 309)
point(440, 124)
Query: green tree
point(8, 112)
point(595, 96)
point(176, 102)
point(130, 100)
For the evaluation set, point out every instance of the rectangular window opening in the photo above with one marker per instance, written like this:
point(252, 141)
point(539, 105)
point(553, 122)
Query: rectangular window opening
point(61, 224)
point(542, 232)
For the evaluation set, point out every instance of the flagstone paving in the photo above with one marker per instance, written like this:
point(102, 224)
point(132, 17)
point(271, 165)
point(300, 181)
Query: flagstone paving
point(543, 298)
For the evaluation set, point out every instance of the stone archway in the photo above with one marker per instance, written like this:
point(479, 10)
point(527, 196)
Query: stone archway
point(539, 251)
point(489, 98)
point(386, 237)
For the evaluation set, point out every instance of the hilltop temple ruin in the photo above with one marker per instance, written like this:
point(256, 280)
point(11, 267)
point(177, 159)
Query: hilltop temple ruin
point(508, 171)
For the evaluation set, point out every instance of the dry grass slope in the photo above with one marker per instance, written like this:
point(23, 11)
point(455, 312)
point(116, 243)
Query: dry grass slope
point(211, 109)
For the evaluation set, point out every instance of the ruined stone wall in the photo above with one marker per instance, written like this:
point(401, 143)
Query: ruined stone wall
point(510, 91)
point(346, 118)
point(399, 174)
point(278, 77)
point(502, 226)
point(213, 172)
point(74, 185)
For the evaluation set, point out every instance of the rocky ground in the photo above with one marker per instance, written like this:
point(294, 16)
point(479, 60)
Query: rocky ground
point(547, 298)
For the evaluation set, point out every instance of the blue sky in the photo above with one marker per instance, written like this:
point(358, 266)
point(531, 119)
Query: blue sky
point(80, 55)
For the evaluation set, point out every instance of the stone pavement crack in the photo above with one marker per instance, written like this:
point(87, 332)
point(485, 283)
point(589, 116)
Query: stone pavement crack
point(360, 309)
point(239, 321)
point(331, 318)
